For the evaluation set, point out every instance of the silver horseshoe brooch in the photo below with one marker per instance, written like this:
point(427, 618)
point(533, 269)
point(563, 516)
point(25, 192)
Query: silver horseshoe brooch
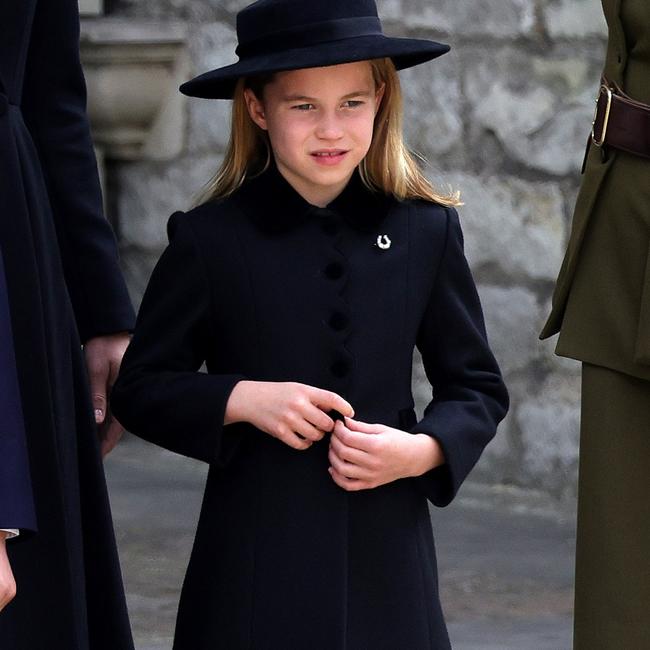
point(384, 242)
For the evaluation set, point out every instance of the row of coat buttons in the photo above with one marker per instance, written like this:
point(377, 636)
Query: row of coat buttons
point(338, 320)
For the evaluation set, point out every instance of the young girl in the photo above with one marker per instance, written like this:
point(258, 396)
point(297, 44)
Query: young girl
point(320, 258)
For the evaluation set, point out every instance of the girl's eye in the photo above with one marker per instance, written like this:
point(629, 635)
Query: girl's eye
point(303, 107)
point(353, 103)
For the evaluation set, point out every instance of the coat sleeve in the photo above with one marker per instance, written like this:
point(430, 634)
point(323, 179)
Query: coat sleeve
point(160, 395)
point(469, 397)
point(54, 108)
point(16, 498)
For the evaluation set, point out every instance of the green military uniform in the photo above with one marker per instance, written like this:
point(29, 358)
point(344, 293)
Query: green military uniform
point(601, 307)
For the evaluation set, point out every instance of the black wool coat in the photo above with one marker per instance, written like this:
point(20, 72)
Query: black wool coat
point(61, 286)
point(264, 286)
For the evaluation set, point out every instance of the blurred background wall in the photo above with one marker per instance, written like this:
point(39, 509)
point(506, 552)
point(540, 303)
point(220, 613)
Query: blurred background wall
point(504, 118)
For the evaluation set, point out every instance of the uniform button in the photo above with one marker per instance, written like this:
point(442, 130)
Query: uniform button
point(330, 227)
point(340, 368)
point(339, 321)
point(3, 104)
point(334, 270)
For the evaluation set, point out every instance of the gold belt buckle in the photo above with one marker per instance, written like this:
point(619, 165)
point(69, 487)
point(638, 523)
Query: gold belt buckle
point(601, 141)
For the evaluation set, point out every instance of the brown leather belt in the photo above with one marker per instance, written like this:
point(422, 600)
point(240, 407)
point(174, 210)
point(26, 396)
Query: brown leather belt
point(621, 122)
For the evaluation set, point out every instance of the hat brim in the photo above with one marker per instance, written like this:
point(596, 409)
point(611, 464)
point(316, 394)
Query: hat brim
point(405, 53)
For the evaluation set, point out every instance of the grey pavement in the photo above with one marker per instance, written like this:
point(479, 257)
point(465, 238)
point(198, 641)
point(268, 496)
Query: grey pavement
point(505, 556)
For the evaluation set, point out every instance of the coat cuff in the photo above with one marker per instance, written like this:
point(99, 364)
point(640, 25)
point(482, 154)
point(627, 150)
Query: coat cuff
point(440, 485)
point(183, 414)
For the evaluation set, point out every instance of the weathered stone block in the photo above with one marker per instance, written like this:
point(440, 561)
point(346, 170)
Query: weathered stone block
point(550, 425)
point(212, 46)
point(512, 318)
point(151, 192)
point(432, 103)
point(192, 10)
point(575, 19)
point(514, 225)
point(539, 108)
point(490, 17)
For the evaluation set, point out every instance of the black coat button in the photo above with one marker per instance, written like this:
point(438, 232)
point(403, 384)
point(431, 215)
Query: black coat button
point(334, 270)
point(4, 104)
point(339, 321)
point(340, 368)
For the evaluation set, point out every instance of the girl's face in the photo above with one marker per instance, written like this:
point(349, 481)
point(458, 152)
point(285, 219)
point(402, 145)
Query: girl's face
point(320, 124)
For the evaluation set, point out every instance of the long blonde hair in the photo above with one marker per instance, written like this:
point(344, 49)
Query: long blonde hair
point(388, 167)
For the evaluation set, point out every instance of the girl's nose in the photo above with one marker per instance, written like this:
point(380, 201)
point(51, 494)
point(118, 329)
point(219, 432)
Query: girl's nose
point(329, 128)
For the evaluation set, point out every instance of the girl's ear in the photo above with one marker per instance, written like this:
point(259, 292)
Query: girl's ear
point(255, 109)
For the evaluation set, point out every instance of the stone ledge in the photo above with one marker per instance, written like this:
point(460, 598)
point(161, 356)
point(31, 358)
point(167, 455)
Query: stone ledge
point(133, 71)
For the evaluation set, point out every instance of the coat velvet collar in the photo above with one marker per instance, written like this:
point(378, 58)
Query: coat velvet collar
point(275, 206)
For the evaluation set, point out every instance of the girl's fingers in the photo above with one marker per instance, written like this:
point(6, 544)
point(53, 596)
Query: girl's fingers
point(292, 439)
point(327, 401)
point(363, 427)
point(297, 442)
point(349, 454)
point(318, 418)
point(351, 485)
point(354, 439)
point(309, 431)
point(346, 469)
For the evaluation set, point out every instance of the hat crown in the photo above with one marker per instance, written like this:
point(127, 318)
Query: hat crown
point(265, 21)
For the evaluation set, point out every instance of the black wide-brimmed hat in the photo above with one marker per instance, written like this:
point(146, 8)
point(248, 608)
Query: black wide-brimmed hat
point(277, 35)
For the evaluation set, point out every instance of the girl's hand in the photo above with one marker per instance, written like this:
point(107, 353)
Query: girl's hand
point(7, 582)
point(365, 456)
point(294, 413)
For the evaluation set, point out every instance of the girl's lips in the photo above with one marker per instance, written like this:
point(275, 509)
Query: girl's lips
point(329, 157)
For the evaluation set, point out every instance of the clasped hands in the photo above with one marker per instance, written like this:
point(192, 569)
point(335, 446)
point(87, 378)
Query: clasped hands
point(362, 456)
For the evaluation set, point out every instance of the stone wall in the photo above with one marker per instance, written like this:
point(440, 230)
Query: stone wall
point(504, 118)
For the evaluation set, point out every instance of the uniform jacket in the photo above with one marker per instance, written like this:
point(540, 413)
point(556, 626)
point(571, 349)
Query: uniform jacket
point(601, 304)
point(264, 286)
point(61, 287)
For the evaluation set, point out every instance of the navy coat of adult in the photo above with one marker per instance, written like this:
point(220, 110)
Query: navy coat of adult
point(266, 287)
point(60, 287)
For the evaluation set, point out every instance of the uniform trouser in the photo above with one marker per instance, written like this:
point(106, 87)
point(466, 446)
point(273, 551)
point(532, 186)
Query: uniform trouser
point(612, 607)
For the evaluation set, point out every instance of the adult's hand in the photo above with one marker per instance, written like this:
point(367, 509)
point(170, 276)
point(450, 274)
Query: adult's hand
point(7, 581)
point(103, 358)
point(364, 456)
point(294, 413)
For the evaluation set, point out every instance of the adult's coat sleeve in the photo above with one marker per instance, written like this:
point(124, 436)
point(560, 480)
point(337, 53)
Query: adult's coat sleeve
point(469, 397)
point(16, 497)
point(54, 108)
point(160, 395)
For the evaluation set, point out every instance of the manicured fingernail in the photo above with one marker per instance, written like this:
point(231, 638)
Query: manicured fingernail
point(99, 414)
